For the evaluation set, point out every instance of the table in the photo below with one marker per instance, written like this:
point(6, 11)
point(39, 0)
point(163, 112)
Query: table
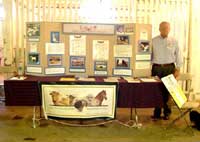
point(136, 95)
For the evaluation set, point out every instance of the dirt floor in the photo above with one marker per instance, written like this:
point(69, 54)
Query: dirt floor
point(17, 125)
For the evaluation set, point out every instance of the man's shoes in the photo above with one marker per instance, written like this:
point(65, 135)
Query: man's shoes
point(159, 118)
point(154, 118)
point(166, 118)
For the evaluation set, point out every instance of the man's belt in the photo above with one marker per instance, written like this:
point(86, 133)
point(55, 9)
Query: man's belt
point(163, 65)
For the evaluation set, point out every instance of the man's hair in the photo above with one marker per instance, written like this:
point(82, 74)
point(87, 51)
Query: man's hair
point(164, 22)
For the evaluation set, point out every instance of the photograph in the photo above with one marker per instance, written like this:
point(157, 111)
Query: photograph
point(54, 60)
point(143, 46)
point(33, 59)
point(33, 31)
point(119, 29)
point(55, 37)
point(123, 39)
point(100, 66)
point(77, 62)
point(122, 62)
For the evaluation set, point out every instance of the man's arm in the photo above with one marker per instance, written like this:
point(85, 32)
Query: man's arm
point(179, 60)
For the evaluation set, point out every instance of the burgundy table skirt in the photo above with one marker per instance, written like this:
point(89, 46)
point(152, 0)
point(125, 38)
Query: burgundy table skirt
point(137, 95)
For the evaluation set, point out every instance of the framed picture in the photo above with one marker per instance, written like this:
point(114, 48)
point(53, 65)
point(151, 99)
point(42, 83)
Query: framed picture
point(100, 66)
point(143, 46)
point(122, 62)
point(55, 37)
point(123, 39)
point(77, 62)
point(54, 60)
point(79, 100)
point(33, 31)
point(33, 58)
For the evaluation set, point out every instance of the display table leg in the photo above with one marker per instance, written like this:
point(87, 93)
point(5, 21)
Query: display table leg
point(134, 123)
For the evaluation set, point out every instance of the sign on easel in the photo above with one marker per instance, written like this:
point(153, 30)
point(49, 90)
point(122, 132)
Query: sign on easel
point(174, 89)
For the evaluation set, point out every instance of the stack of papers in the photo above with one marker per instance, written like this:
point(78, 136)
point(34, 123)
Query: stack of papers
point(111, 79)
point(18, 78)
point(86, 79)
point(148, 80)
point(131, 80)
point(67, 79)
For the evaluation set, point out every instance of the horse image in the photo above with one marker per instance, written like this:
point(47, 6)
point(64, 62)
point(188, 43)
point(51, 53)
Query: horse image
point(100, 97)
point(97, 100)
point(91, 101)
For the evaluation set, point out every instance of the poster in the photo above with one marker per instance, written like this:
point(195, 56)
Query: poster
point(142, 65)
point(79, 100)
point(100, 50)
point(88, 28)
point(143, 57)
point(77, 45)
point(55, 48)
point(122, 51)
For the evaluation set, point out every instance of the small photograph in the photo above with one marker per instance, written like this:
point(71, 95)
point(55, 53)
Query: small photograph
point(119, 29)
point(122, 62)
point(55, 37)
point(121, 39)
point(54, 60)
point(33, 59)
point(143, 46)
point(128, 29)
point(100, 66)
point(33, 31)
point(77, 62)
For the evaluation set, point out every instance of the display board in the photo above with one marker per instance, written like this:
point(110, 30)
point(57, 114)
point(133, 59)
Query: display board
point(88, 49)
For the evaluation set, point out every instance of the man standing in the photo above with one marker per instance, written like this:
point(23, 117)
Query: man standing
point(166, 59)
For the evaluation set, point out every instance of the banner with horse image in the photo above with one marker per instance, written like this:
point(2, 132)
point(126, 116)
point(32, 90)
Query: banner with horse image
point(79, 101)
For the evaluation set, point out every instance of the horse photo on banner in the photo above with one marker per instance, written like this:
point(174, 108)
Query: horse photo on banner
point(79, 100)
